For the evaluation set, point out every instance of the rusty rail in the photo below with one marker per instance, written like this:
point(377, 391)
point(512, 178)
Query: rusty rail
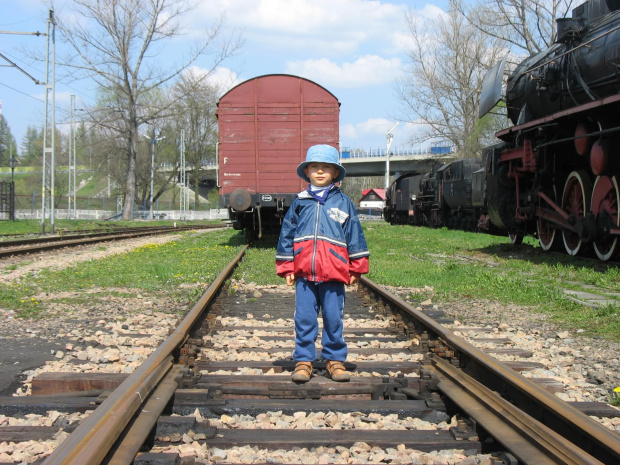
point(578, 428)
point(95, 436)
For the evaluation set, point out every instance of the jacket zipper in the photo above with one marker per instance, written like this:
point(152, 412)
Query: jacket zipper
point(316, 233)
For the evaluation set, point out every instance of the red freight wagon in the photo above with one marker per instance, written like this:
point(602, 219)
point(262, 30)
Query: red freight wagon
point(266, 125)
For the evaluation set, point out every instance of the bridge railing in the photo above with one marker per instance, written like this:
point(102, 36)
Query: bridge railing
point(399, 152)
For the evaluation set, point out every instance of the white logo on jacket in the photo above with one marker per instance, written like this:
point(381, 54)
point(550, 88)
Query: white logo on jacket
point(337, 215)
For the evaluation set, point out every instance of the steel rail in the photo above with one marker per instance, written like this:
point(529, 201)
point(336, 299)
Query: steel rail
point(91, 441)
point(527, 439)
point(50, 243)
point(73, 236)
point(574, 425)
point(129, 444)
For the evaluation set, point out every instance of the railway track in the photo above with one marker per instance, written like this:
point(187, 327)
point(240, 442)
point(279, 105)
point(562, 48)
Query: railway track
point(219, 387)
point(39, 244)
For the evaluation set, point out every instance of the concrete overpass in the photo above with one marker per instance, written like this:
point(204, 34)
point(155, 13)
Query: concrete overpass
point(358, 166)
point(365, 163)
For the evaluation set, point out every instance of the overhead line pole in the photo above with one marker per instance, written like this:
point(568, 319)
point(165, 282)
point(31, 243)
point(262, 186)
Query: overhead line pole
point(154, 139)
point(183, 196)
point(389, 137)
point(71, 191)
point(49, 126)
point(47, 173)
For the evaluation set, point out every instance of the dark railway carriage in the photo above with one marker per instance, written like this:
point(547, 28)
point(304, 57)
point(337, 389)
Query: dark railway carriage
point(555, 175)
point(266, 125)
point(400, 200)
point(454, 207)
point(453, 195)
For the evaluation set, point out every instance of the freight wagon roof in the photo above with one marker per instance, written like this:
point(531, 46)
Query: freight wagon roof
point(268, 77)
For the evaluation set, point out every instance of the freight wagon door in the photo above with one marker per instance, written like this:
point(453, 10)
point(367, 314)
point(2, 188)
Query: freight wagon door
point(266, 125)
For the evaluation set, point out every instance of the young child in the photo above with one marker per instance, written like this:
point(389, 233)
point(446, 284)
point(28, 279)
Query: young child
point(321, 248)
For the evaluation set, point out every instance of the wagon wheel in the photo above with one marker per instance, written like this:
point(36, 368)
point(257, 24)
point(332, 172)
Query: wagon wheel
point(515, 238)
point(604, 205)
point(575, 201)
point(546, 230)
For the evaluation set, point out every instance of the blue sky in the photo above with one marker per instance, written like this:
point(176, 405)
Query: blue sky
point(354, 48)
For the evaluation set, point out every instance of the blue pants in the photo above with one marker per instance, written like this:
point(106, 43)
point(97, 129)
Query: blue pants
point(310, 297)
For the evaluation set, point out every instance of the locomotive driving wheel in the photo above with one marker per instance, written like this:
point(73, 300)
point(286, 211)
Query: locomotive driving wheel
point(575, 202)
point(604, 205)
point(516, 238)
point(546, 230)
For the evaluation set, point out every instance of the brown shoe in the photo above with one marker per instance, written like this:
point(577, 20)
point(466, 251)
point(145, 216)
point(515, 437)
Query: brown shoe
point(303, 372)
point(337, 371)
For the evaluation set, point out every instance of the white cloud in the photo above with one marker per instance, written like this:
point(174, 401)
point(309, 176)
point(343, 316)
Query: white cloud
point(369, 70)
point(371, 129)
point(401, 38)
point(320, 27)
point(222, 78)
point(371, 134)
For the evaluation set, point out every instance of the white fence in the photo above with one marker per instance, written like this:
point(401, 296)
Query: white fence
point(211, 214)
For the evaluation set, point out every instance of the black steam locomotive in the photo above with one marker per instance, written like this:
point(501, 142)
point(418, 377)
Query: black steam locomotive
point(451, 195)
point(555, 174)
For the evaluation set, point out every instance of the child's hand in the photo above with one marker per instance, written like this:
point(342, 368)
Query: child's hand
point(353, 279)
point(290, 279)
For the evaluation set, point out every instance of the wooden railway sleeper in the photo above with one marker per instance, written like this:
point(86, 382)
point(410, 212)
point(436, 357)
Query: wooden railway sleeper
point(209, 396)
point(172, 429)
point(196, 340)
point(281, 391)
point(504, 458)
point(167, 458)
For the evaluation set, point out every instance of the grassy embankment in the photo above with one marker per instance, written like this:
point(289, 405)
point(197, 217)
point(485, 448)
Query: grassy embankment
point(452, 265)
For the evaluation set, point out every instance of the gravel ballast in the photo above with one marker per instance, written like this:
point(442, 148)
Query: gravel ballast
point(116, 334)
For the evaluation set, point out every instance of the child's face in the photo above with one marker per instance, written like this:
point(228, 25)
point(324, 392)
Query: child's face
point(321, 174)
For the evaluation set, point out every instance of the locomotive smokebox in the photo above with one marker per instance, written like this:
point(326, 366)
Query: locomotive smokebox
point(240, 199)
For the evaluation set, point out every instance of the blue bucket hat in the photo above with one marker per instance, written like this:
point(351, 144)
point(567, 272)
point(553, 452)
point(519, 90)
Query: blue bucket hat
point(322, 154)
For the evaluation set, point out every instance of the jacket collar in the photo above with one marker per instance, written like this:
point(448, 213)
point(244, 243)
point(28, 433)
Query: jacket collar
point(306, 195)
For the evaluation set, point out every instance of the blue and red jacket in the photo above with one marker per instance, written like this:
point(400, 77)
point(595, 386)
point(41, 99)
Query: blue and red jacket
point(322, 242)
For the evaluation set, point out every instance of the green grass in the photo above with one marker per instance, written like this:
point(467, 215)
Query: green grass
point(445, 265)
point(180, 269)
point(460, 265)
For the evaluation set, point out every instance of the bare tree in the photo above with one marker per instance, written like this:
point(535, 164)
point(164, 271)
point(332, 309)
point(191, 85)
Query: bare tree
point(526, 25)
point(441, 89)
point(117, 43)
point(196, 106)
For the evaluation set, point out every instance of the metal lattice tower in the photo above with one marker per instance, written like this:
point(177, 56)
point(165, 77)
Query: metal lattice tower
point(49, 126)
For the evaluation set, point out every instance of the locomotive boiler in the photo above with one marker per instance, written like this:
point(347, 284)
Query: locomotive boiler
point(555, 173)
point(265, 127)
